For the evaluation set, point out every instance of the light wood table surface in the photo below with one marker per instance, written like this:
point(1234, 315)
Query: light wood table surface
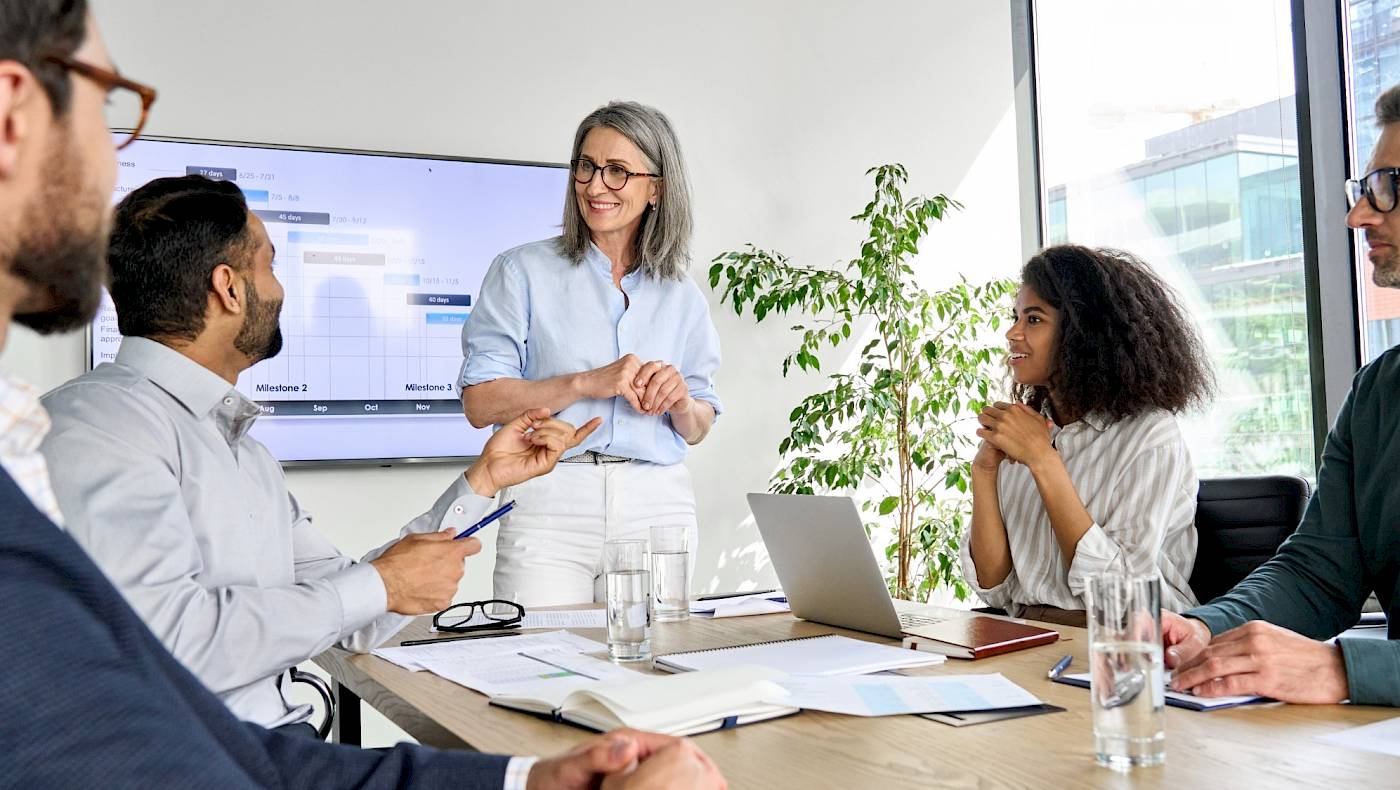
point(1255, 746)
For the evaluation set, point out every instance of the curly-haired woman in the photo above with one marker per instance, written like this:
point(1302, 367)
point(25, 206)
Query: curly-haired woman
point(1099, 477)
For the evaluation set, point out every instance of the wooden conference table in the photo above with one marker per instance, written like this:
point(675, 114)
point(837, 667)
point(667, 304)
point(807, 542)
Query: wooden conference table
point(1260, 746)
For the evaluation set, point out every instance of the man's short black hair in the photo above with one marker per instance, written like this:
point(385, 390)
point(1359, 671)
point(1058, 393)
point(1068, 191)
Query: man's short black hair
point(167, 238)
point(31, 30)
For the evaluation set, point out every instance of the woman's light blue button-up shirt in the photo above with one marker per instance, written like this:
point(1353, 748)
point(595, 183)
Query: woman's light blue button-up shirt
point(539, 315)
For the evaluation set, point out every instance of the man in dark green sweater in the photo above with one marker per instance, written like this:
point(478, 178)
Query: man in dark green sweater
point(1263, 636)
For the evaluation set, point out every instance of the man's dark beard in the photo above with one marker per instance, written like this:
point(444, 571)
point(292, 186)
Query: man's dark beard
point(261, 334)
point(61, 253)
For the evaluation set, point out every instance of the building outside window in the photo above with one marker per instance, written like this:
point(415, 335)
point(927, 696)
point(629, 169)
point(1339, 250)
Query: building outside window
point(1181, 147)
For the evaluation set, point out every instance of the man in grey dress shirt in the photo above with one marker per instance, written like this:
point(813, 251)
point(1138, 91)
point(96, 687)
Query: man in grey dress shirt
point(187, 514)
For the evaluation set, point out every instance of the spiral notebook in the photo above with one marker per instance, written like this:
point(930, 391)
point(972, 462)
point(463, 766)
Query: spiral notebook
point(809, 655)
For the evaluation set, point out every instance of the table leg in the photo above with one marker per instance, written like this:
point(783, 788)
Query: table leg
point(347, 720)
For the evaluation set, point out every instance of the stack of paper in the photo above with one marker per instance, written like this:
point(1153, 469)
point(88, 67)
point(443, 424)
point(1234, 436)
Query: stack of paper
point(741, 605)
point(500, 666)
point(421, 656)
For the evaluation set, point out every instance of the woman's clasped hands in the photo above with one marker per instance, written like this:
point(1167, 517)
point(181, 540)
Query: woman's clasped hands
point(1014, 432)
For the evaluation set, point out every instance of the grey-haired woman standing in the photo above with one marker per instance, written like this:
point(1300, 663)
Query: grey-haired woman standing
point(601, 321)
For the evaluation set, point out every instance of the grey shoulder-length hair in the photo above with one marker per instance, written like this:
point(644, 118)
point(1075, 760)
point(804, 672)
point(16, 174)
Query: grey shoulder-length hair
point(663, 243)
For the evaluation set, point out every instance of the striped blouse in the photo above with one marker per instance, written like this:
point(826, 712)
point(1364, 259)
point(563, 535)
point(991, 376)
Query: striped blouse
point(1136, 480)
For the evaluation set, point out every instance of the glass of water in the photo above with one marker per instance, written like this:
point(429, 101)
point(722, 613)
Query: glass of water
point(670, 572)
point(629, 599)
point(1126, 681)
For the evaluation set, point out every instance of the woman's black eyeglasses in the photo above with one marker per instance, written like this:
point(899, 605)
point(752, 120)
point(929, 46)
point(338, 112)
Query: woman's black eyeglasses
point(614, 176)
point(462, 618)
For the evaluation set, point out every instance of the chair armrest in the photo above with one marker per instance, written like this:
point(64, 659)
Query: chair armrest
point(324, 689)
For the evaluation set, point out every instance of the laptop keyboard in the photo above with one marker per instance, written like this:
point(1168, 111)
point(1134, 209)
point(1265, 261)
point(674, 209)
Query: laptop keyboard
point(907, 619)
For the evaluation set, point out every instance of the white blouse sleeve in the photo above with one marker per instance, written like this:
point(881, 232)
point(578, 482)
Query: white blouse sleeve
point(1000, 596)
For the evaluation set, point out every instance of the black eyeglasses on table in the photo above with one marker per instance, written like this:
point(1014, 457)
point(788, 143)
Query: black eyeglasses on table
point(457, 618)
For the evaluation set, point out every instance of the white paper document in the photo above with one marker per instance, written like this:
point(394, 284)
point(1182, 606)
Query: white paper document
point(573, 618)
point(511, 673)
point(741, 605)
point(504, 664)
point(893, 695)
point(419, 657)
point(1382, 737)
point(828, 654)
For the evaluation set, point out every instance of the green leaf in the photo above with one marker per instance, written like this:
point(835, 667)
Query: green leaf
point(888, 504)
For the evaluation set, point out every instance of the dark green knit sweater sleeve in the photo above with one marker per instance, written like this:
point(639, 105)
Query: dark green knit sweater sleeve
point(1373, 670)
point(1316, 583)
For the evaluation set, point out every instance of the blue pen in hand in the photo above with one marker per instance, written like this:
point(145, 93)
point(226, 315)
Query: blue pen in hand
point(495, 514)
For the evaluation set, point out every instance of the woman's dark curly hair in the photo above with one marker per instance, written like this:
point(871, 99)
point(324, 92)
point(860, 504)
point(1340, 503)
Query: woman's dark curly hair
point(1123, 344)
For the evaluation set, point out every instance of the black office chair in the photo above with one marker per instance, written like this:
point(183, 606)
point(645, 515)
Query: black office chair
point(324, 690)
point(1241, 522)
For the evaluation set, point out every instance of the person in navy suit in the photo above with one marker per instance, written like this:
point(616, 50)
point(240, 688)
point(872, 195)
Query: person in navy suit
point(88, 696)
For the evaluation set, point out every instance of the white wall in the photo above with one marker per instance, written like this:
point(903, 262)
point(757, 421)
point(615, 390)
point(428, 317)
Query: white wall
point(781, 106)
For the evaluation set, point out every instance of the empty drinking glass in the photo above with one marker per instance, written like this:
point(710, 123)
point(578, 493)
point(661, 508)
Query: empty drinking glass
point(1126, 681)
point(628, 585)
point(670, 572)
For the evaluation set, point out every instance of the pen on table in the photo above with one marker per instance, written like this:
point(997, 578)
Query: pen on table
point(1059, 668)
point(459, 637)
point(495, 514)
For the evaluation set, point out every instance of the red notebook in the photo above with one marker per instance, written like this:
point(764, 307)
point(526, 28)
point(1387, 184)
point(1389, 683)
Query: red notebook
point(976, 636)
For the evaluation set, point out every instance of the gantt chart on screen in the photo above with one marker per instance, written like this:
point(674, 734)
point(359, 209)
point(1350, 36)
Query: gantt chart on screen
point(380, 258)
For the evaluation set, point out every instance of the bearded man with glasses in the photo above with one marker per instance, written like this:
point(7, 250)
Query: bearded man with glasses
point(1372, 199)
point(1266, 636)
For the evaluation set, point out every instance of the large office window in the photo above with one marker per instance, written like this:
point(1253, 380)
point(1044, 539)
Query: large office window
point(1181, 146)
point(1373, 64)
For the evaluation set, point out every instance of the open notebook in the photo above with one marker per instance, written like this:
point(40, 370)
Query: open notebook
point(670, 704)
point(809, 655)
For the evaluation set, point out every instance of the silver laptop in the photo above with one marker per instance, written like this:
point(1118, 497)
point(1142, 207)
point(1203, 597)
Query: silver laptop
point(826, 566)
